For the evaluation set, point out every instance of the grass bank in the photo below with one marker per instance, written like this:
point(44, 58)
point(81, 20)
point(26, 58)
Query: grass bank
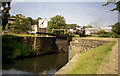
point(21, 35)
point(12, 49)
point(89, 61)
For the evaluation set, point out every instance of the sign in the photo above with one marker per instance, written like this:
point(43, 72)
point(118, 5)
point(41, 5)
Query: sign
point(43, 23)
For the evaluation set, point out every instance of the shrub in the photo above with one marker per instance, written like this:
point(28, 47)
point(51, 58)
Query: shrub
point(116, 28)
point(13, 49)
point(110, 34)
point(101, 32)
point(76, 36)
point(103, 35)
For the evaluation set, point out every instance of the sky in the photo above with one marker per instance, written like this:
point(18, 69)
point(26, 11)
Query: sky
point(81, 13)
point(59, 0)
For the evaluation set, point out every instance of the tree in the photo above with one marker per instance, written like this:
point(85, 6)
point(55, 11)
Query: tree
point(57, 22)
point(37, 20)
point(72, 26)
point(117, 3)
point(116, 28)
point(101, 32)
point(21, 25)
point(32, 21)
point(5, 13)
point(88, 26)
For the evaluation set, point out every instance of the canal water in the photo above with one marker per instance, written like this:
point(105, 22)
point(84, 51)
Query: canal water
point(45, 64)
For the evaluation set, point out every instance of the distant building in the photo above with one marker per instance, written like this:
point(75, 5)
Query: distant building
point(87, 32)
point(42, 27)
point(94, 31)
point(21, 16)
point(34, 29)
point(107, 29)
point(11, 20)
point(71, 31)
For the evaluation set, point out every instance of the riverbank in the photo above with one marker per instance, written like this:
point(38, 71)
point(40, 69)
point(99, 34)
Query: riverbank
point(89, 61)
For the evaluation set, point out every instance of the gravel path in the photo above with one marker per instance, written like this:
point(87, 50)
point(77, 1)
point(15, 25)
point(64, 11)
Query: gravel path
point(110, 65)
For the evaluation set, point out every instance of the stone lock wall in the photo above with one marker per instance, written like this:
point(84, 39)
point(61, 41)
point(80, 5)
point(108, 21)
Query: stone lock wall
point(78, 45)
point(62, 45)
point(40, 45)
point(43, 45)
point(20, 47)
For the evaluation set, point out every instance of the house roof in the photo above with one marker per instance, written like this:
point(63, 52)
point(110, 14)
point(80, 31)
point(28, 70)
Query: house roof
point(107, 29)
point(92, 30)
point(11, 18)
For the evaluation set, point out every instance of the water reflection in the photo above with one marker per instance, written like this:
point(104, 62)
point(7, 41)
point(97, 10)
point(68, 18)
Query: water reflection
point(46, 64)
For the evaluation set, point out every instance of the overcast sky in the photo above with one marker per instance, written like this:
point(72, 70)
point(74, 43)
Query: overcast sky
point(81, 13)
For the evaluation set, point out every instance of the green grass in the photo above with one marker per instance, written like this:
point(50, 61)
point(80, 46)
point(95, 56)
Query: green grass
point(22, 35)
point(12, 49)
point(27, 35)
point(89, 61)
point(76, 36)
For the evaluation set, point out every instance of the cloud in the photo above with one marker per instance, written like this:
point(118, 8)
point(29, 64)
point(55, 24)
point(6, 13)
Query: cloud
point(82, 13)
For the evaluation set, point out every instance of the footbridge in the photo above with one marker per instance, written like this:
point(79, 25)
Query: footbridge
point(51, 34)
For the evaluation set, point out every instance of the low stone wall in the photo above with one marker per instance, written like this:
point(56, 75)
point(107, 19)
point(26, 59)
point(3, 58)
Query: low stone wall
point(79, 45)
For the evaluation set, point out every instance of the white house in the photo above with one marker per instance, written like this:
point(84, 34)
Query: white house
point(107, 29)
point(87, 33)
point(92, 31)
point(41, 27)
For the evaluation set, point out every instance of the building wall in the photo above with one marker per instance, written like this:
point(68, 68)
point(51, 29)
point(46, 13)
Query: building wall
point(34, 28)
point(43, 30)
